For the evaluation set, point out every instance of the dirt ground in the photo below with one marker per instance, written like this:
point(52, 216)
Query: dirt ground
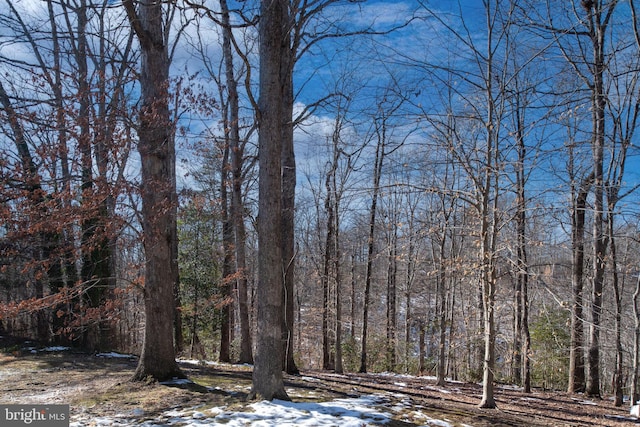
point(97, 386)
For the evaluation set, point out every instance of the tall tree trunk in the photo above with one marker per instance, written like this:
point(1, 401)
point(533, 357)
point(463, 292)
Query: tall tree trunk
point(109, 99)
point(237, 211)
point(94, 268)
point(228, 270)
point(407, 295)
point(598, 16)
point(337, 253)
point(635, 380)
point(635, 370)
point(616, 174)
point(338, 278)
point(352, 317)
point(523, 367)
point(328, 264)
point(288, 207)
point(617, 293)
point(599, 239)
point(274, 77)
point(441, 310)
point(69, 259)
point(231, 142)
point(157, 192)
point(377, 171)
point(421, 343)
point(488, 307)
point(488, 213)
point(392, 320)
point(576, 349)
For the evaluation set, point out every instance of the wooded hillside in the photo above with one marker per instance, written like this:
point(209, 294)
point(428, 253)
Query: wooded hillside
point(356, 186)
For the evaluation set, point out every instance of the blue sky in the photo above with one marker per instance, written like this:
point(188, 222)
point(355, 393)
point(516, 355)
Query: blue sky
point(362, 67)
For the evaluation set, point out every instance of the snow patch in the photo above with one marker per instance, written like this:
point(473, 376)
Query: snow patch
point(177, 381)
point(114, 355)
point(34, 350)
point(371, 410)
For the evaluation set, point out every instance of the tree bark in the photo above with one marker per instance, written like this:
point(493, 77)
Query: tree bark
point(274, 74)
point(157, 192)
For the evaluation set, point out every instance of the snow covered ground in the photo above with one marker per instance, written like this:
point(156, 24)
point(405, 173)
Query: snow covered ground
point(369, 410)
point(372, 410)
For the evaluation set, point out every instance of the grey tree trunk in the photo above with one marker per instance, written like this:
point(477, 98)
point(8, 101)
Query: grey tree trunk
point(488, 213)
point(274, 74)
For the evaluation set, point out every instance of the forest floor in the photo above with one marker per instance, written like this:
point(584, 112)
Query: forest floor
point(99, 392)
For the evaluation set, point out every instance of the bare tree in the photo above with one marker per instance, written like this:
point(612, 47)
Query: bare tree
point(594, 18)
point(624, 110)
point(237, 164)
point(157, 154)
point(635, 380)
point(598, 16)
point(237, 204)
point(382, 133)
point(84, 116)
